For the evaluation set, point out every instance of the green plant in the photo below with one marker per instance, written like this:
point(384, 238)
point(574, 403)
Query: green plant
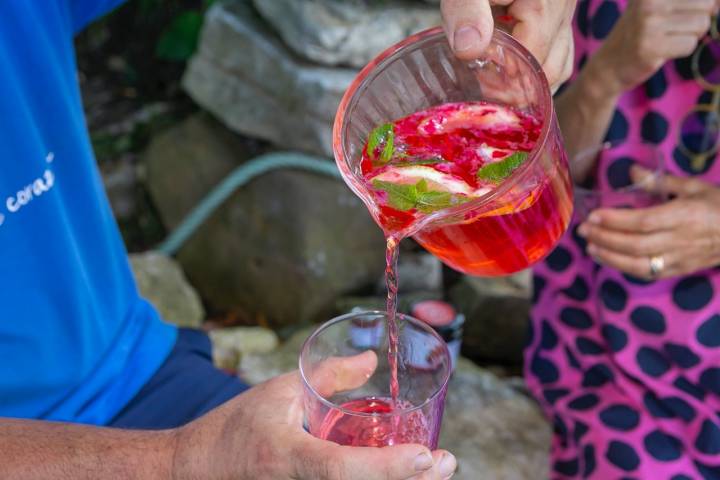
point(179, 39)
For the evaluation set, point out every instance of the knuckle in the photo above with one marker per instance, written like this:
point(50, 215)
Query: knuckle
point(646, 6)
point(327, 469)
point(645, 224)
point(642, 273)
point(710, 6)
point(637, 248)
point(688, 46)
point(703, 25)
point(334, 468)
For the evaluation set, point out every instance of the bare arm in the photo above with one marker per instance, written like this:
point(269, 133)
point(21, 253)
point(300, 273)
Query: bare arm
point(37, 450)
point(649, 33)
point(258, 435)
point(585, 110)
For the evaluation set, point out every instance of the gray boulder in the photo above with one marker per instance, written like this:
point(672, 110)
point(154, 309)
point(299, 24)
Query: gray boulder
point(348, 32)
point(417, 271)
point(495, 430)
point(496, 311)
point(249, 79)
point(162, 282)
point(231, 344)
point(281, 249)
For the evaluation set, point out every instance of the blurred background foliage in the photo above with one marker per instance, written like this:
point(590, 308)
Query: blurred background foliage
point(130, 66)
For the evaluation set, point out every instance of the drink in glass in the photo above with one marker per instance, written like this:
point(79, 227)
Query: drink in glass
point(465, 157)
point(366, 414)
point(620, 191)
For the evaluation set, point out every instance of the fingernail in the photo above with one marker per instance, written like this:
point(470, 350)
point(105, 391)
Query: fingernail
point(466, 38)
point(447, 466)
point(594, 218)
point(592, 249)
point(423, 462)
point(583, 230)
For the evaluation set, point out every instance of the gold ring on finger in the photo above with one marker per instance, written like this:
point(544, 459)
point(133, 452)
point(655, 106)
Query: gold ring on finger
point(657, 265)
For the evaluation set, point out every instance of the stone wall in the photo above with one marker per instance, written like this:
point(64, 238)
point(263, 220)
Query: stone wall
point(277, 69)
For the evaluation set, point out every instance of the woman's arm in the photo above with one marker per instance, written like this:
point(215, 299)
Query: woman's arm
point(585, 110)
point(649, 33)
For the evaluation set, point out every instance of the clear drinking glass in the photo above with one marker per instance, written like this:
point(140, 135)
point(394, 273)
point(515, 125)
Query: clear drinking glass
point(508, 229)
point(361, 412)
point(620, 192)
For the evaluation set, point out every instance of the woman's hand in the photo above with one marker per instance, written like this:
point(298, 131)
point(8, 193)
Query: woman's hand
point(543, 26)
point(682, 234)
point(650, 33)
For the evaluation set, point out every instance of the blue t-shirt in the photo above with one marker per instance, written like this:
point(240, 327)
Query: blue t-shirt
point(76, 340)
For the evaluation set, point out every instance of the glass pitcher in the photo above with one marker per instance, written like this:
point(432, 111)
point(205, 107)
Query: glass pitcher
point(504, 231)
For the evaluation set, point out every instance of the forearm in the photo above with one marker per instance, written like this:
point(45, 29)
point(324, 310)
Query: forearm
point(59, 451)
point(585, 110)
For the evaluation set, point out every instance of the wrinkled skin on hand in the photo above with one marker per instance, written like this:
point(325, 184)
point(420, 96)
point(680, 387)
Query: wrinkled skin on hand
point(543, 26)
point(685, 231)
point(260, 435)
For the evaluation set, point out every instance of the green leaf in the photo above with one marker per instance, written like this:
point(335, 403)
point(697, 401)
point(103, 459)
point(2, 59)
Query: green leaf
point(499, 171)
point(412, 161)
point(179, 40)
point(400, 196)
point(431, 201)
point(383, 134)
point(387, 152)
point(406, 197)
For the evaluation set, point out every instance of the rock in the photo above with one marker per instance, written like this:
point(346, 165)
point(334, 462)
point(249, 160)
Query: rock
point(161, 281)
point(258, 368)
point(495, 430)
point(232, 344)
point(406, 301)
point(348, 32)
point(246, 77)
point(281, 248)
point(417, 272)
point(496, 311)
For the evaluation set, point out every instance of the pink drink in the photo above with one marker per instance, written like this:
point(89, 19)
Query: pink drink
point(366, 414)
point(375, 428)
point(452, 155)
point(391, 280)
point(466, 158)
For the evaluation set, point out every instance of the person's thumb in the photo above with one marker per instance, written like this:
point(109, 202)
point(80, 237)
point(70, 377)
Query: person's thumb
point(468, 25)
point(665, 184)
point(321, 460)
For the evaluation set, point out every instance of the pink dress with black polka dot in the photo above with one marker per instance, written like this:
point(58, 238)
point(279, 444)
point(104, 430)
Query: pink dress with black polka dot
point(629, 371)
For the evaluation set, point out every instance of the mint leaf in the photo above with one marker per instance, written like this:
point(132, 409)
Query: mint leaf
point(400, 196)
point(411, 161)
point(383, 134)
point(406, 197)
point(428, 202)
point(387, 152)
point(499, 171)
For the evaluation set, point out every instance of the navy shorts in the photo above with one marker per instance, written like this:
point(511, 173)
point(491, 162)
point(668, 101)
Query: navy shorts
point(185, 387)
